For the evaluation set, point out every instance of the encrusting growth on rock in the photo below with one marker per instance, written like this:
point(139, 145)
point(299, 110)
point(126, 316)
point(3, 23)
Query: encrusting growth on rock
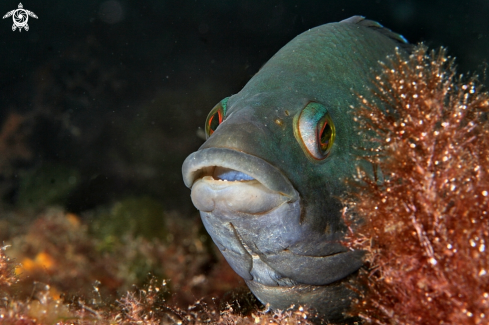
point(425, 219)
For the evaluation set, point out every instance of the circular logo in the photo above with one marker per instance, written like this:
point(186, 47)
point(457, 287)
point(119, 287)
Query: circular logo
point(20, 17)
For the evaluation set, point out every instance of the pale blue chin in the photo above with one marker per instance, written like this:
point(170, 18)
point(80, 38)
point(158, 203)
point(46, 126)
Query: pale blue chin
point(231, 175)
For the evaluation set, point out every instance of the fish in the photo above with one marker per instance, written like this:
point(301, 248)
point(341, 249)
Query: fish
point(268, 179)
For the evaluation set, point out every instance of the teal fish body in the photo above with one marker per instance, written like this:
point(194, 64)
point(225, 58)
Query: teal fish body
point(268, 178)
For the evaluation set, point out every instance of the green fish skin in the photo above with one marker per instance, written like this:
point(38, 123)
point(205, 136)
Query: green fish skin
point(268, 178)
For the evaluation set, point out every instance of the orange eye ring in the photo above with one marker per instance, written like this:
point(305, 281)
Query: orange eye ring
point(215, 117)
point(214, 122)
point(326, 134)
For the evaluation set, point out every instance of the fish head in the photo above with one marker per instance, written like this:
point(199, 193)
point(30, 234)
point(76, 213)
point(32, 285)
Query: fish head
point(267, 181)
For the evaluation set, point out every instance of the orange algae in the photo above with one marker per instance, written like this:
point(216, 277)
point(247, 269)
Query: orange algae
point(42, 261)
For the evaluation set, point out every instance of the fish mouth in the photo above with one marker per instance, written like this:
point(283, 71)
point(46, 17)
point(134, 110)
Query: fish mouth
point(234, 181)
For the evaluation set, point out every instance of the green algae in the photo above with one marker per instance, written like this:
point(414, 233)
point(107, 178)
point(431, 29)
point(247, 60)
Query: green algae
point(48, 184)
point(134, 216)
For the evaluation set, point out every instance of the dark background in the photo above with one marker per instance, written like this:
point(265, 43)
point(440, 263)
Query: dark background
point(115, 91)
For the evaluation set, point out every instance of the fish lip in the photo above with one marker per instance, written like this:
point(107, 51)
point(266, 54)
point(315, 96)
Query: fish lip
point(202, 162)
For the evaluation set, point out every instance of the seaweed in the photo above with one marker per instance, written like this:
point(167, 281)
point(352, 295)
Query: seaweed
point(7, 269)
point(425, 220)
point(58, 271)
point(48, 184)
point(136, 216)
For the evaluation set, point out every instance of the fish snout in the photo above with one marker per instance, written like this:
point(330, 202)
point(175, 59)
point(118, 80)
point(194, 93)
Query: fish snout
point(233, 181)
point(251, 197)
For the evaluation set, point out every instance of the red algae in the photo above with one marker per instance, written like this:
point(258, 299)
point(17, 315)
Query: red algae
point(425, 216)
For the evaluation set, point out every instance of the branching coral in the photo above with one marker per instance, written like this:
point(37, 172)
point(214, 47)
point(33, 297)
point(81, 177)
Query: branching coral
point(426, 222)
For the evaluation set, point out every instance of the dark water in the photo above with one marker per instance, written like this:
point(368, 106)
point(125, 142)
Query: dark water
point(102, 100)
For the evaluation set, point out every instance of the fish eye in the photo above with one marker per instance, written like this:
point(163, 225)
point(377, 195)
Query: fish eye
point(315, 131)
point(326, 134)
point(215, 117)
